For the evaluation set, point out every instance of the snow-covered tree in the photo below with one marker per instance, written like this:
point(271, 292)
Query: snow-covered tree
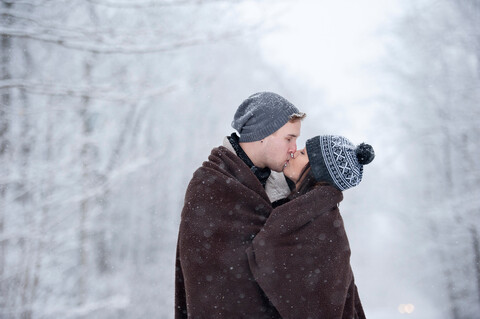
point(435, 90)
point(100, 102)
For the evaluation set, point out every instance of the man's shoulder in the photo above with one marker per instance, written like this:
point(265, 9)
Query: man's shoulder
point(224, 167)
point(227, 149)
point(223, 156)
point(221, 159)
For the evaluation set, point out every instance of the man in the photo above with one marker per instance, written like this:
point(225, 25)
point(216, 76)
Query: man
point(226, 204)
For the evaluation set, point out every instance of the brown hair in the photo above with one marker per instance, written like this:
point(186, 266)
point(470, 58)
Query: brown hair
point(296, 117)
point(306, 182)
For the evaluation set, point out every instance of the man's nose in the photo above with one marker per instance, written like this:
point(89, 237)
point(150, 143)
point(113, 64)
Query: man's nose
point(295, 154)
point(293, 149)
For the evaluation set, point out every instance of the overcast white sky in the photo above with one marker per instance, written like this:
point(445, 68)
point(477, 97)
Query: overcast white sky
point(331, 44)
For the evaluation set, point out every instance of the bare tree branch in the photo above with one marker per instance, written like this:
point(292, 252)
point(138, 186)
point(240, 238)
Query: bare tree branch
point(93, 92)
point(120, 48)
point(85, 32)
point(154, 3)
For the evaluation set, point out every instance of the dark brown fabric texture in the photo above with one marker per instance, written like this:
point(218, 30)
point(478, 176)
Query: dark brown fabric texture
point(301, 259)
point(225, 207)
point(299, 255)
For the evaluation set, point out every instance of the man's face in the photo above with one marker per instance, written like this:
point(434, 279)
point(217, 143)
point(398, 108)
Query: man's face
point(278, 146)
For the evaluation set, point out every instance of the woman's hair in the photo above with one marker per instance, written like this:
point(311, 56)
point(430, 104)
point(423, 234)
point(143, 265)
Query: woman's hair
point(306, 182)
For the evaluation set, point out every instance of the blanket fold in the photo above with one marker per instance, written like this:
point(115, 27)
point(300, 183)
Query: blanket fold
point(225, 207)
point(301, 259)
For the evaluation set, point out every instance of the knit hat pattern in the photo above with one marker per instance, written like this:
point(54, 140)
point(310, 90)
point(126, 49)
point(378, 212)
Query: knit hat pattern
point(261, 115)
point(336, 160)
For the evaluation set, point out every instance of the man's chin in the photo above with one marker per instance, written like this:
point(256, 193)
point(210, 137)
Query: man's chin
point(279, 169)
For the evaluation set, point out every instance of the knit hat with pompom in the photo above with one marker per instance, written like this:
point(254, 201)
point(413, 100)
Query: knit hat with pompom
point(336, 160)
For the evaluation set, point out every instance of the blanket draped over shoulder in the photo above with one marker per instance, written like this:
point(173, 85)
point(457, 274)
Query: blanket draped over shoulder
point(239, 258)
point(301, 259)
point(225, 207)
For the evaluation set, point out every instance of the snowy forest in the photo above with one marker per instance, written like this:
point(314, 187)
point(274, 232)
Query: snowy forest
point(107, 107)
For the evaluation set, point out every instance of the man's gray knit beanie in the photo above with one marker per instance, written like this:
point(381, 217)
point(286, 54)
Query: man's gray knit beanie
point(262, 114)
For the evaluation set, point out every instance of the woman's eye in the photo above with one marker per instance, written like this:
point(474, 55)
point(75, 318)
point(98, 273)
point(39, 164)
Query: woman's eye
point(302, 152)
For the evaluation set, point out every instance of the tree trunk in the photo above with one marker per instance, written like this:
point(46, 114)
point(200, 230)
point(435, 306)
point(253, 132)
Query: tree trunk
point(45, 193)
point(5, 109)
point(476, 260)
point(86, 163)
point(27, 142)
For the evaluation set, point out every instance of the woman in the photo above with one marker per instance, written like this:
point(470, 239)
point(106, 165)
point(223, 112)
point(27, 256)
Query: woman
point(301, 257)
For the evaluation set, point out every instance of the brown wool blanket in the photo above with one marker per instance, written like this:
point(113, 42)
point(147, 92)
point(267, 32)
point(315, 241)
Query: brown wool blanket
point(239, 258)
point(225, 207)
point(301, 259)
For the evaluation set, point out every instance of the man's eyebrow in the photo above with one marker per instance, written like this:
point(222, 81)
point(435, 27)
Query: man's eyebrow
point(293, 135)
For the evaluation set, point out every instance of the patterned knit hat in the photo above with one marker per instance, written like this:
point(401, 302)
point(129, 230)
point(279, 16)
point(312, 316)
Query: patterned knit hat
point(262, 114)
point(336, 160)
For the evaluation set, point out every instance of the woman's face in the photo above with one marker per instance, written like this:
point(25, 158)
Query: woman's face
point(295, 165)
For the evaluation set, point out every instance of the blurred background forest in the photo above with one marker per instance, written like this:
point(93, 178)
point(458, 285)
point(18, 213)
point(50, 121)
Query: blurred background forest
point(108, 106)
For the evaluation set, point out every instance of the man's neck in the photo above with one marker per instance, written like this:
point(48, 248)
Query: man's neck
point(250, 150)
point(261, 173)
